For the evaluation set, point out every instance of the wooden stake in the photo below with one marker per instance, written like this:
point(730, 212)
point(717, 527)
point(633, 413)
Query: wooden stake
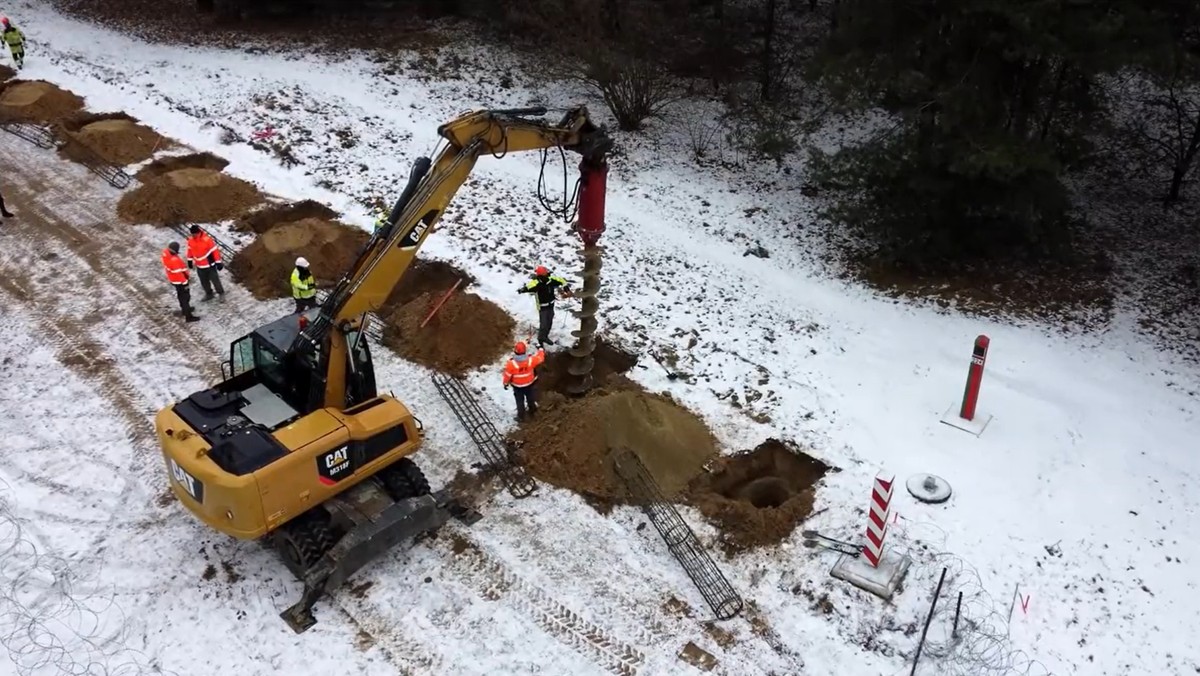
point(441, 302)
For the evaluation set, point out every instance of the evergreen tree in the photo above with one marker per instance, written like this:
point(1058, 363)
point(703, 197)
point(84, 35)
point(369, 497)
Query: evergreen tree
point(991, 100)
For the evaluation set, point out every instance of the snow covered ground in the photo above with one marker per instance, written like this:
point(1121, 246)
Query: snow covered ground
point(1080, 491)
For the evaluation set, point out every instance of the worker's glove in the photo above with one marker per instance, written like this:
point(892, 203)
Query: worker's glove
point(191, 265)
point(220, 267)
point(506, 386)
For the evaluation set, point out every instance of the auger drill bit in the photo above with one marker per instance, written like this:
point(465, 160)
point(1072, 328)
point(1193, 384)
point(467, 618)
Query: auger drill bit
point(582, 360)
point(593, 176)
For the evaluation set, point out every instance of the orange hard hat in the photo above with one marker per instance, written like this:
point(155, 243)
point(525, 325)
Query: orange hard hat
point(519, 348)
point(541, 270)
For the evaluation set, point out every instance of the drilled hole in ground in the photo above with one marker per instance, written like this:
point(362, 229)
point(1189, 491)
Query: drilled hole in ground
point(758, 497)
point(765, 492)
point(611, 361)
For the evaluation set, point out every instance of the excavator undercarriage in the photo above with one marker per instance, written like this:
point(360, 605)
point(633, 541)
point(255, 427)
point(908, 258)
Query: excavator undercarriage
point(324, 548)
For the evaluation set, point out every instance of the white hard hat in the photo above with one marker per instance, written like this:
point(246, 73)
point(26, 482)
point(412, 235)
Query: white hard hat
point(302, 262)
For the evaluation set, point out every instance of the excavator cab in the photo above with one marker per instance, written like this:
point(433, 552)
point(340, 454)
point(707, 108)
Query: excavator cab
point(268, 358)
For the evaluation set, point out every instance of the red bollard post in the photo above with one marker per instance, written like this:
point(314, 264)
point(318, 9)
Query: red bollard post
point(974, 379)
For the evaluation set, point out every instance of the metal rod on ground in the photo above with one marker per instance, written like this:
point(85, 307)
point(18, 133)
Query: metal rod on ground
point(925, 631)
point(441, 302)
point(957, 609)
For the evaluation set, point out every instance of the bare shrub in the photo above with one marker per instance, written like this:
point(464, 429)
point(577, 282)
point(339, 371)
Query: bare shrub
point(633, 90)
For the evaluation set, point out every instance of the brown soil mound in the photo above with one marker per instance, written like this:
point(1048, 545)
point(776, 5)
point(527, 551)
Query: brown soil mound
point(425, 276)
point(6, 73)
point(467, 332)
point(37, 101)
point(188, 196)
point(262, 220)
point(758, 497)
point(166, 165)
point(116, 139)
point(569, 444)
point(266, 264)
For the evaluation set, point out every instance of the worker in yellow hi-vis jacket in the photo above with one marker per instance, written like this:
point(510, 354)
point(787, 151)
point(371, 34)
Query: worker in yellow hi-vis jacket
point(15, 39)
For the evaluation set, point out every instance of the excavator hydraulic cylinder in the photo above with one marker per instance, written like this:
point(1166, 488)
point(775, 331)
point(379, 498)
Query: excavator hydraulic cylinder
point(593, 179)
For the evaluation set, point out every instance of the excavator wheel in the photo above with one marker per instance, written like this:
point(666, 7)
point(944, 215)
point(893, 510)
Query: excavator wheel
point(403, 479)
point(303, 541)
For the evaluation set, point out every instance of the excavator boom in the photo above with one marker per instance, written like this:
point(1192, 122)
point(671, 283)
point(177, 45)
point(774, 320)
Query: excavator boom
point(417, 212)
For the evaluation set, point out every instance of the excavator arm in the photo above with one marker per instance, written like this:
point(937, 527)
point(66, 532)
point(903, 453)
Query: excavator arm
point(417, 212)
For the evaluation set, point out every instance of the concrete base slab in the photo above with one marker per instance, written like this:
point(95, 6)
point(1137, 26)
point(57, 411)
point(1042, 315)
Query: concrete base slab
point(881, 581)
point(976, 426)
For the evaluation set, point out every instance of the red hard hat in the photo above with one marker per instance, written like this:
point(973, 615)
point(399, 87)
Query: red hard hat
point(541, 270)
point(519, 348)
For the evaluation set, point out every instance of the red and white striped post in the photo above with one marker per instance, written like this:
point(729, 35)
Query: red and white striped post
point(877, 518)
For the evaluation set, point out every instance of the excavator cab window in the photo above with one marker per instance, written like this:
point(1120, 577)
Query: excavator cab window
point(241, 356)
point(271, 371)
point(360, 376)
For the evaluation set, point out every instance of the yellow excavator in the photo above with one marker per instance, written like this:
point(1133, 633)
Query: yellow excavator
point(296, 444)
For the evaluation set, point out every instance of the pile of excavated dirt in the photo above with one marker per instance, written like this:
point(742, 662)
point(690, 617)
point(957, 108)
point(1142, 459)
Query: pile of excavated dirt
point(115, 138)
point(467, 332)
point(188, 196)
point(6, 73)
point(165, 165)
point(758, 497)
point(265, 266)
point(37, 101)
point(569, 443)
point(261, 220)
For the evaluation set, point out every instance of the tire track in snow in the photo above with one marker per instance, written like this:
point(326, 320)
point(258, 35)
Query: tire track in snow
point(495, 581)
point(403, 652)
point(88, 361)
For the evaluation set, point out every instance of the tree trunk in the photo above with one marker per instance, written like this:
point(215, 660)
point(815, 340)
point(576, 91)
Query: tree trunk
point(612, 18)
point(1184, 164)
point(766, 74)
point(1055, 96)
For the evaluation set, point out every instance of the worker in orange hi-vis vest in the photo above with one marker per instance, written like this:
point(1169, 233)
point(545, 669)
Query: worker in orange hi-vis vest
point(521, 374)
point(203, 254)
point(177, 275)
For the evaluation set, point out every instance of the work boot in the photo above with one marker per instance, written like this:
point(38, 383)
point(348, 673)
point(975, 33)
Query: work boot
point(7, 214)
point(191, 318)
point(208, 297)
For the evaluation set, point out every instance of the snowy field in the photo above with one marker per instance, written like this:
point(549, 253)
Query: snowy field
point(1080, 493)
